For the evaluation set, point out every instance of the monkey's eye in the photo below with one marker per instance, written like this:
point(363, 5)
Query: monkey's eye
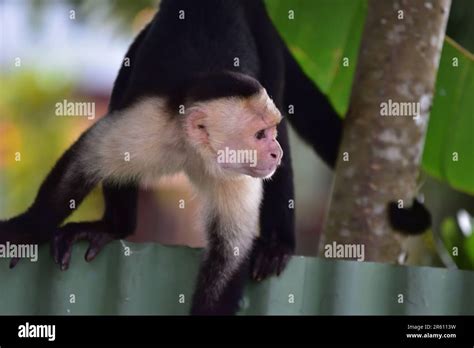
point(260, 134)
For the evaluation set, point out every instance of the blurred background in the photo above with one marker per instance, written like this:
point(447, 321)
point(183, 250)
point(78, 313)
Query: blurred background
point(68, 49)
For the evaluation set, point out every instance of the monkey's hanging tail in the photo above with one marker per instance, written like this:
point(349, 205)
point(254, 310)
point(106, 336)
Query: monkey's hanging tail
point(409, 221)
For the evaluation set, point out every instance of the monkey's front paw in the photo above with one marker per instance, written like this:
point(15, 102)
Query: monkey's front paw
point(269, 258)
point(66, 236)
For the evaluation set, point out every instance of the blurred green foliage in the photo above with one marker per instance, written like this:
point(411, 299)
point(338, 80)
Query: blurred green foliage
point(320, 46)
point(458, 245)
point(449, 146)
point(29, 128)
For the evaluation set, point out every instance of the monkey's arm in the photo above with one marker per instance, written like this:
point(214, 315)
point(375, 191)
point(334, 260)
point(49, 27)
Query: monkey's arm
point(120, 213)
point(93, 157)
point(118, 222)
point(316, 121)
point(232, 209)
point(276, 243)
point(64, 188)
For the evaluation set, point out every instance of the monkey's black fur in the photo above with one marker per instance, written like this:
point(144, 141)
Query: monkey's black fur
point(193, 59)
point(411, 221)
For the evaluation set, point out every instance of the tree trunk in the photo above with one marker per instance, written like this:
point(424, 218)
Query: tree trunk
point(380, 155)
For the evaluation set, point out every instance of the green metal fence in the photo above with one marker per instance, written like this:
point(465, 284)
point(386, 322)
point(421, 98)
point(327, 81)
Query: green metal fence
point(156, 279)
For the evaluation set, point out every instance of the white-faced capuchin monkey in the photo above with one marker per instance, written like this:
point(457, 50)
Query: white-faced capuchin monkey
point(204, 77)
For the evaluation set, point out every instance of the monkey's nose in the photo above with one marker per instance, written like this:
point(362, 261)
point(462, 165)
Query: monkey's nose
point(277, 156)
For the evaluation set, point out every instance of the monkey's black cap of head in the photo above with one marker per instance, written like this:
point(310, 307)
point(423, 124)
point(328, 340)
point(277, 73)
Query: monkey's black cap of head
point(223, 84)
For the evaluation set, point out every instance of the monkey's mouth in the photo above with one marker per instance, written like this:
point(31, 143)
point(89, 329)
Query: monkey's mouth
point(263, 173)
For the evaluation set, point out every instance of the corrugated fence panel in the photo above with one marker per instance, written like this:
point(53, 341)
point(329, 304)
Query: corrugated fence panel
point(156, 279)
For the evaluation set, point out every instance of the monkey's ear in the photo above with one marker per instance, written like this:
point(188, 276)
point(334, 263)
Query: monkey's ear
point(196, 126)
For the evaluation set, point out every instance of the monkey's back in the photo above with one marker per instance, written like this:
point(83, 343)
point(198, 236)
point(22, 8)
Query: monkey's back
point(190, 37)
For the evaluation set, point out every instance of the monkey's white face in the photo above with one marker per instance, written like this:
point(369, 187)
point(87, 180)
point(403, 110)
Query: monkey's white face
point(256, 153)
point(238, 135)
